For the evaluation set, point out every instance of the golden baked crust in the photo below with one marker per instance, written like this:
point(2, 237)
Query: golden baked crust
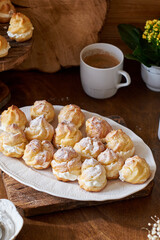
point(42, 108)
point(6, 10)
point(93, 176)
point(13, 141)
point(66, 164)
point(39, 154)
point(66, 134)
point(4, 47)
point(89, 147)
point(97, 127)
point(121, 143)
point(72, 113)
point(13, 115)
point(20, 28)
point(39, 129)
point(135, 170)
point(111, 162)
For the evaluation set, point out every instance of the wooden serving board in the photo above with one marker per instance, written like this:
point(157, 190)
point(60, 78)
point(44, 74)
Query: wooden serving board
point(31, 202)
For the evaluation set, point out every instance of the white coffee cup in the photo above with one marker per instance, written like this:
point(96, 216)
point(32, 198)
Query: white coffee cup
point(102, 82)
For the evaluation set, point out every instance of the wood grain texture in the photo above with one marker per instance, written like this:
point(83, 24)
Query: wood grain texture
point(134, 12)
point(4, 94)
point(62, 29)
point(17, 53)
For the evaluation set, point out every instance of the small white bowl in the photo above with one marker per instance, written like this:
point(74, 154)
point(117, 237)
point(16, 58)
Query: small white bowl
point(11, 221)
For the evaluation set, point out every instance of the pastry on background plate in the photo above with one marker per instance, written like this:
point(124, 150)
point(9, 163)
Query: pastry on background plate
point(66, 164)
point(42, 108)
point(97, 127)
point(6, 10)
point(135, 170)
point(89, 147)
point(72, 113)
point(93, 176)
point(38, 154)
point(66, 134)
point(13, 141)
point(20, 28)
point(111, 162)
point(121, 143)
point(13, 115)
point(39, 129)
point(4, 47)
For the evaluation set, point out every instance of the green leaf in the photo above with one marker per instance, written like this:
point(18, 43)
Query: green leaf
point(130, 35)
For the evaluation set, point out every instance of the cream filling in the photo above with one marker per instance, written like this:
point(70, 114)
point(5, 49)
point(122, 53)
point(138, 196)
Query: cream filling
point(16, 35)
point(44, 165)
point(10, 148)
point(5, 15)
point(91, 183)
point(66, 175)
point(5, 50)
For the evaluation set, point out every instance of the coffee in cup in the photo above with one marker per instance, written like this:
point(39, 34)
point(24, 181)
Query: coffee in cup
point(101, 70)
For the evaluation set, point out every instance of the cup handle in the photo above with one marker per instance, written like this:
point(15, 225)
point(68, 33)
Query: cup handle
point(127, 77)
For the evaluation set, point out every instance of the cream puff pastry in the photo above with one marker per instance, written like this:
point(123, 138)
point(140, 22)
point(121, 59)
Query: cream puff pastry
point(97, 127)
point(13, 115)
point(4, 47)
point(38, 154)
point(135, 170)
point(20, 28)
point(121, 143)
point(72, 113)
point(89, 147)
point(42, 108)
point(13, 141)
point(66, 134)
point(93, 176)
point(66, 164)
point(6, 10)
point(39, 129)
point(111, 162)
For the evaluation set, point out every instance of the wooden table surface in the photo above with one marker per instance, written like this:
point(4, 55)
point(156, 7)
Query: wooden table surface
point(139, 107)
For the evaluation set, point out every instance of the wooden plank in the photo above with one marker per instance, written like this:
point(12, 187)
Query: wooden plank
point(31, 202)
point(4, 94)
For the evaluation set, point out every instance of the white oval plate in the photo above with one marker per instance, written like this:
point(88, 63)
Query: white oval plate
point(44, 180)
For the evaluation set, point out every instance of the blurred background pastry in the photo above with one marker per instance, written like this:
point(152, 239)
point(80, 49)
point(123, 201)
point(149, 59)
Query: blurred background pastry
point(66, 134)
point(72, 113)
point(93, 176)
point(135, 170)
point(13, 141)
point(4, 47)
point(66, 164)
point(13, 115)
point(38, 154)
point(89, 147)
point(42, 108)
point(111, 162)
point(39, 129)
point(20, 28)
point(6, 10)
point(121, 143)
point(97, 127)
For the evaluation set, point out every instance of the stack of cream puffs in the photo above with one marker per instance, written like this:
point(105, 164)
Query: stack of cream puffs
point(102, 154)
point(20, 27)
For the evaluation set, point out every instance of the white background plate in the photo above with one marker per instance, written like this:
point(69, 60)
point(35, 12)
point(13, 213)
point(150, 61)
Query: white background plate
point(44, 180)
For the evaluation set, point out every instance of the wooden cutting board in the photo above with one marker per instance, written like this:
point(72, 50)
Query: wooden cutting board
point(31, 202)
